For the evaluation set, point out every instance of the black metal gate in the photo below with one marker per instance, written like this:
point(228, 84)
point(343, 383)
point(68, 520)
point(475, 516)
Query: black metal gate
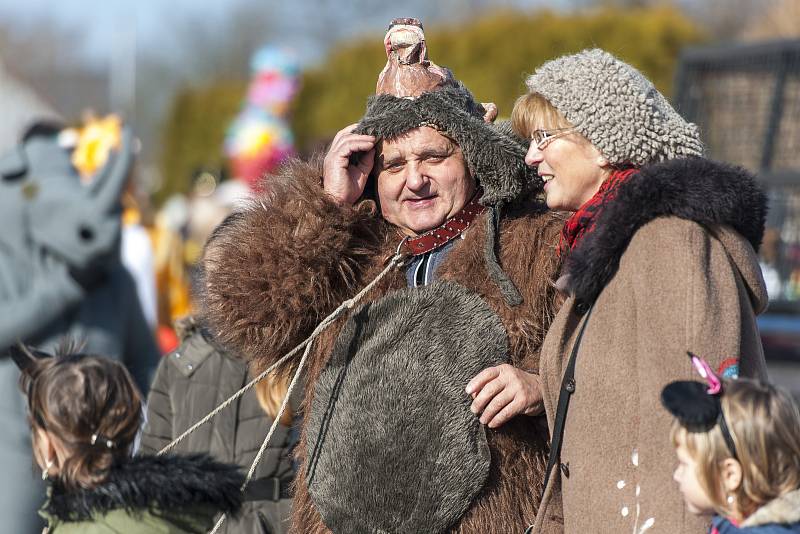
point(746, 100)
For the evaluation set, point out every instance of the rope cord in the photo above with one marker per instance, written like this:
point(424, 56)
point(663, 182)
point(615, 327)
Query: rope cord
point(396, 261)
point(285, 402)
point(171, 445)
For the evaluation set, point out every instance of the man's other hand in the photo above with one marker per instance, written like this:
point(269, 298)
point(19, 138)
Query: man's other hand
point(502, 392)
point(343, 180)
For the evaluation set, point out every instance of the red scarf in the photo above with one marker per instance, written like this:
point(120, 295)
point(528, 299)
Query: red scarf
point(582, 221)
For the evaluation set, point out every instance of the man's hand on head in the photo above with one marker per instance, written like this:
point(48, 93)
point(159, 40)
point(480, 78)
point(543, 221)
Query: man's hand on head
point(502, 392)
point(341, 179)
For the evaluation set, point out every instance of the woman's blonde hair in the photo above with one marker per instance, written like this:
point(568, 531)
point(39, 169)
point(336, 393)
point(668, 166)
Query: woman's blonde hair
point(765, 426)
point(270, 393)
point(532, 111)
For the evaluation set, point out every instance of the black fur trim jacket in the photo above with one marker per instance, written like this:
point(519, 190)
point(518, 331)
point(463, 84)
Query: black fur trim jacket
point(696, 189)
point(149, 493)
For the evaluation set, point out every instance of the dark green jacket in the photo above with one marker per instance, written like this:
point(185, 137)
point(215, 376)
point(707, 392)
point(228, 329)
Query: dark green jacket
point(192, 381)
point(168, 495)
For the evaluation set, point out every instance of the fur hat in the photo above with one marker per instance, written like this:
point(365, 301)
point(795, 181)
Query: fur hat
point(614, 106)
point(408, 98)
point(494, 156)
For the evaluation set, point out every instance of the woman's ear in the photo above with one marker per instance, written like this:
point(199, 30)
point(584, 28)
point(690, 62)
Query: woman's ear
point(731, 475)
point(599, 159)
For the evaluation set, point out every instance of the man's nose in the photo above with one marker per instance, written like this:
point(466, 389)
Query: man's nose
point(416, 178)
point(534, 156)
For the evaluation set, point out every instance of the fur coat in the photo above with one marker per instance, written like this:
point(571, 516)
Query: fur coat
point(670, 267)
point(291, 258)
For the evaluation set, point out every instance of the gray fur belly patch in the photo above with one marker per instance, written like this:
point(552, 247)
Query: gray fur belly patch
point(392, 444)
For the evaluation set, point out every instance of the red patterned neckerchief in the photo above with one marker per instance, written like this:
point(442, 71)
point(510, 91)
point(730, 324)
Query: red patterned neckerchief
point(582, 221)
point(447, 231)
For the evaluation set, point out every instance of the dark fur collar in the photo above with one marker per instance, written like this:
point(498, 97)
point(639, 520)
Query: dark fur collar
point(167, 482)
point(697, 189)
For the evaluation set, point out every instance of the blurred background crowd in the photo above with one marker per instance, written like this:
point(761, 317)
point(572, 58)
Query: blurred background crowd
point(218, 94)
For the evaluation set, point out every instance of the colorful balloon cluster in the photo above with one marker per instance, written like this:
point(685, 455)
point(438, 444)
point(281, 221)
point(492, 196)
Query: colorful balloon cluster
point(259, 138)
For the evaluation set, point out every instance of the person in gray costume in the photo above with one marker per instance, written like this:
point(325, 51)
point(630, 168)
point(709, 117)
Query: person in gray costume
point(60, 276)
point(420, 410)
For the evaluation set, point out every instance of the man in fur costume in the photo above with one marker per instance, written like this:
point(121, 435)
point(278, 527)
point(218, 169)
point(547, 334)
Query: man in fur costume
point(420, 409)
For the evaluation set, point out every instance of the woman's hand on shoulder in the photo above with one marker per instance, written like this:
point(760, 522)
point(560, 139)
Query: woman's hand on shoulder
point(502, 392)
point(341, 179)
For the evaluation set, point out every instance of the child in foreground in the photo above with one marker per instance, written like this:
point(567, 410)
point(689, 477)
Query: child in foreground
point(738, 447)
point(85, 412)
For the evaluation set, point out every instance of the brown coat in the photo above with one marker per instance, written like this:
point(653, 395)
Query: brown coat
point(674, 285)
point(295, 255)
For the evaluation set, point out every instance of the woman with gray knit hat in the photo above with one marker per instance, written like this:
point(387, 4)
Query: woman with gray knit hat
point(659, 259)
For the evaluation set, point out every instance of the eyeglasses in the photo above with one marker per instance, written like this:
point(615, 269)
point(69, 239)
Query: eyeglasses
point(542, 138)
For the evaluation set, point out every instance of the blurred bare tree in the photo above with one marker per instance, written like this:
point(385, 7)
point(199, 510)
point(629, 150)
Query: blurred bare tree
point(47, 58)
point(725, 20)
point(780, 20)
point(47, 46)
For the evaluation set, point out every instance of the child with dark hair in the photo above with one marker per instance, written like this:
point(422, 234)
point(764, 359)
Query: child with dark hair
point(738, 447)
point(85, 412)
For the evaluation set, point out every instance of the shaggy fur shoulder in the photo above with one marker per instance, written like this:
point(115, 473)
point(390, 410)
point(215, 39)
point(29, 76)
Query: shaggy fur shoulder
point(784, 510)
point(165, 482)
point(285, 262)
point(528, 252)
point(697, 189)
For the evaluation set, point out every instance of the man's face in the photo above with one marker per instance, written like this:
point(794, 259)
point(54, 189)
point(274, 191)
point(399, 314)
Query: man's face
point(422, 181)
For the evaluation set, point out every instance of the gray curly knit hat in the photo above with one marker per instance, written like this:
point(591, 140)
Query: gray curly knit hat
point(614, 106)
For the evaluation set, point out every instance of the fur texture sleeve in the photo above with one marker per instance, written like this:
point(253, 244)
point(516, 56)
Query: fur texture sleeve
point(274, 270)
point(530, 257)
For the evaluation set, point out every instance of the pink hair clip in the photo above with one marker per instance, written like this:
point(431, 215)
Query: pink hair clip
point(705, 371)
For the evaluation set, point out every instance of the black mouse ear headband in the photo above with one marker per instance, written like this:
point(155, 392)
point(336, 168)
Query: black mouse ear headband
point(24, 357)
point(696, 405)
